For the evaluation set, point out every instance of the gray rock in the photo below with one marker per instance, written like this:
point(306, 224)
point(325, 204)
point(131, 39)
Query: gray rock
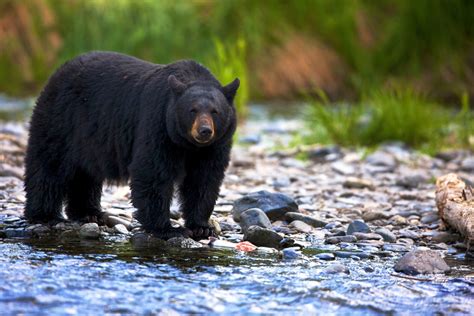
point(300, 226)
point(421, 261)
point(293, 216)
point(89, 231)
point(368, 236)
point(262, 237)
point(275, 205)
point(429, 218)
point(290, 253)
point(121, 229)
point(320, 154)
point(343, 168)
point(380, 158)
point(339, 239)
point(254, 216)
point(372, 215)
point(412, 181)
point(16, 232)
point(357, 226)
point(406, 233)
point(467, 164)
point(111, 221)
point(182, 242)
point(336, 268)
point(41, 230)
point(250, 139)
point(386, 234)
point(445, 237)
point(395, 247)
point(325, 256)
point(10, 171)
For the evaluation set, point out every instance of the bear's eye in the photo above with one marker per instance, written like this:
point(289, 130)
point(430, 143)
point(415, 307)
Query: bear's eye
point(214, 111)
point(193, 111)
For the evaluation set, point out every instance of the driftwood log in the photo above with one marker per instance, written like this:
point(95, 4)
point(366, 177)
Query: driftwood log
point(455, 202)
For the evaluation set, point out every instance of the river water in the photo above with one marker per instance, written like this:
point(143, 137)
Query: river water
point(53, 276)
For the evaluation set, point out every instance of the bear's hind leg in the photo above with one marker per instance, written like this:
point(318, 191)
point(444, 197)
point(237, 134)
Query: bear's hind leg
point(83, 198)
point(44, 197)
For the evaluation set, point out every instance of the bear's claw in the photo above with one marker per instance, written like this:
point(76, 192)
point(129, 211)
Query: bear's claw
point(172, 232)
point(201, 232)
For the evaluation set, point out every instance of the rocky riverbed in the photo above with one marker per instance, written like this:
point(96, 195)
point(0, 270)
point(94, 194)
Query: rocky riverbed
point(340, 212)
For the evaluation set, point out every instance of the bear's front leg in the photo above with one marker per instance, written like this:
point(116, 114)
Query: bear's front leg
point(152, 192)
point(200, 188)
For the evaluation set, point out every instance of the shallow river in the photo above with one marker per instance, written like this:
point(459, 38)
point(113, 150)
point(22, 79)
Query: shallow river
point(94, 277)
point(87, 277)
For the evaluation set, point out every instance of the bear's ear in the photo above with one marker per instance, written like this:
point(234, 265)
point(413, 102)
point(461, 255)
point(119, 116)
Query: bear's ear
point(231, 89)
point(177, 86)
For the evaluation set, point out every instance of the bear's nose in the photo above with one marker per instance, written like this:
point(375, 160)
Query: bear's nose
point(205, 131)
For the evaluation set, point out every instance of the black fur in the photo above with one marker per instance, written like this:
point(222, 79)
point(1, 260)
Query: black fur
point(111, 117)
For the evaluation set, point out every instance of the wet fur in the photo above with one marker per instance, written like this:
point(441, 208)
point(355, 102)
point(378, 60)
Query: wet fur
point(103, 117)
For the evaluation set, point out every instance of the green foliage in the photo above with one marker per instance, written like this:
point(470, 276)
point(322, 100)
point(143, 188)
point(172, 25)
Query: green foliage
point(229, 63)
point(390, 116)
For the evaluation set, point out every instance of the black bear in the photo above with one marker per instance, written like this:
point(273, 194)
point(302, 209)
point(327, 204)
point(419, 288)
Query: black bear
point(106, 116)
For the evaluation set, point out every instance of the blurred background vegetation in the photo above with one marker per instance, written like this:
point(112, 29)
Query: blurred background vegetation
point(395, 61)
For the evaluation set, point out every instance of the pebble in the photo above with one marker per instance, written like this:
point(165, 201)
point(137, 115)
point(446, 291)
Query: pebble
point(368, 236)
point(343, 168)
point(358, 183)
point(380, 158)
point(429, 218)
point(275, 205)
point(372, 215)
point(421, 261)
point(291, 253)
point(467, 164)
point(310, 220)
point(300, 226)
point(325, 256)
point(262, 237)
point(89, 231)
point(336, 268)
point(398, 220)
point(386, 234)
point(406, 233)
point(357, 226)
point(444, 237)
point(395, 247)
point(182, 242)
point(121, 229)
point(412, 181)
point(254, 216)
point(339, 239)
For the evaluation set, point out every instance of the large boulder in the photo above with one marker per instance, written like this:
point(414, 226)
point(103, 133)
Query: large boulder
point(274, 205)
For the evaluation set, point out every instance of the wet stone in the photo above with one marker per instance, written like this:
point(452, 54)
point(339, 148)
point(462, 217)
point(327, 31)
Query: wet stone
point(16, 232)
point(275, 205)
point(263, 237)
point(422, 261)
point(293, 216)
point(89, 231)
point(181, 242)
point(121, 229)
point(357, 226)
point(290, 253)
point(254, 216)
point(467, 164)
point(336, 268)
point(327, 256)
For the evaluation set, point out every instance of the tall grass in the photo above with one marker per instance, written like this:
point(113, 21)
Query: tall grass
point(390, 116)
point(229, 63)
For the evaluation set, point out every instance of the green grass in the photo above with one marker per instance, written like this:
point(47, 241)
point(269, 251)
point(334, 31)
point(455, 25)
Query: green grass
point(229, 63)
point(390, 116)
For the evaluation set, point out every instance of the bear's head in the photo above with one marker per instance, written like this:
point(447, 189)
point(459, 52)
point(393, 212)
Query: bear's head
point(203, 112)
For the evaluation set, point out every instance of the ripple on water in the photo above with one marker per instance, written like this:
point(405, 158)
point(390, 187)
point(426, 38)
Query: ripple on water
point(78, 278)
